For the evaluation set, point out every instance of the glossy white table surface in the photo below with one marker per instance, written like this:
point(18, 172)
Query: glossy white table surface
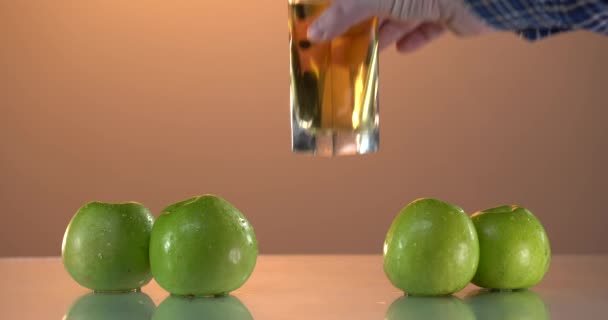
point(316, 288)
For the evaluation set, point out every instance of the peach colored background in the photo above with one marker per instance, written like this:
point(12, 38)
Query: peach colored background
point(156, 101)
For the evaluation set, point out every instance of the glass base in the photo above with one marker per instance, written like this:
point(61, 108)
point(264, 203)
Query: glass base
point(335, 143)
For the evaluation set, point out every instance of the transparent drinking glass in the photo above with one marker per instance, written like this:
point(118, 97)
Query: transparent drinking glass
point(334, 86)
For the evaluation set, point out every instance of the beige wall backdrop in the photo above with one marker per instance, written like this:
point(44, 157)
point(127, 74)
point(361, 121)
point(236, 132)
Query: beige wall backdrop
point(156, 101)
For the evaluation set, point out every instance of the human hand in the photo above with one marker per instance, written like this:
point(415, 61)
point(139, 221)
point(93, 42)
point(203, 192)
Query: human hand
point(409, 23)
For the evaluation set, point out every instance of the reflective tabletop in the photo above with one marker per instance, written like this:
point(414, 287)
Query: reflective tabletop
point(306, 287)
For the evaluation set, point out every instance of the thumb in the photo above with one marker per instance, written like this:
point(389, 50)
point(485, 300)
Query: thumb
point(340, 16)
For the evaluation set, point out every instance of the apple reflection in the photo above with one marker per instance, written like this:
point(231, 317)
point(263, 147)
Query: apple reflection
point(103, 306)
point(218, 308)
point(426, 308)
point(508, 305)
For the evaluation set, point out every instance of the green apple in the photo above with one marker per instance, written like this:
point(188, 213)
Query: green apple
point(514, 248)
point(183, 308)
point(424, 308)
point(514, 305)
point(202, 246)
point(106, 246)
point(102, 306)
point(431, 249)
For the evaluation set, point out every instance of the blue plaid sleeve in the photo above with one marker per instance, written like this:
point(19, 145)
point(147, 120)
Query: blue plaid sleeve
point(536, 19)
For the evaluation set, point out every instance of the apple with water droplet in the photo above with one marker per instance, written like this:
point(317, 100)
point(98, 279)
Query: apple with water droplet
point(431, 249)
point(106, 246)
point(515, 252)
point(203, 246)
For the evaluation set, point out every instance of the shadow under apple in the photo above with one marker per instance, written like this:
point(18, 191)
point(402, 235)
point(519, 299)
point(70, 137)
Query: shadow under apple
point(115, 306)
point(208, 308)
point(508, 305)
point(426, 308)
